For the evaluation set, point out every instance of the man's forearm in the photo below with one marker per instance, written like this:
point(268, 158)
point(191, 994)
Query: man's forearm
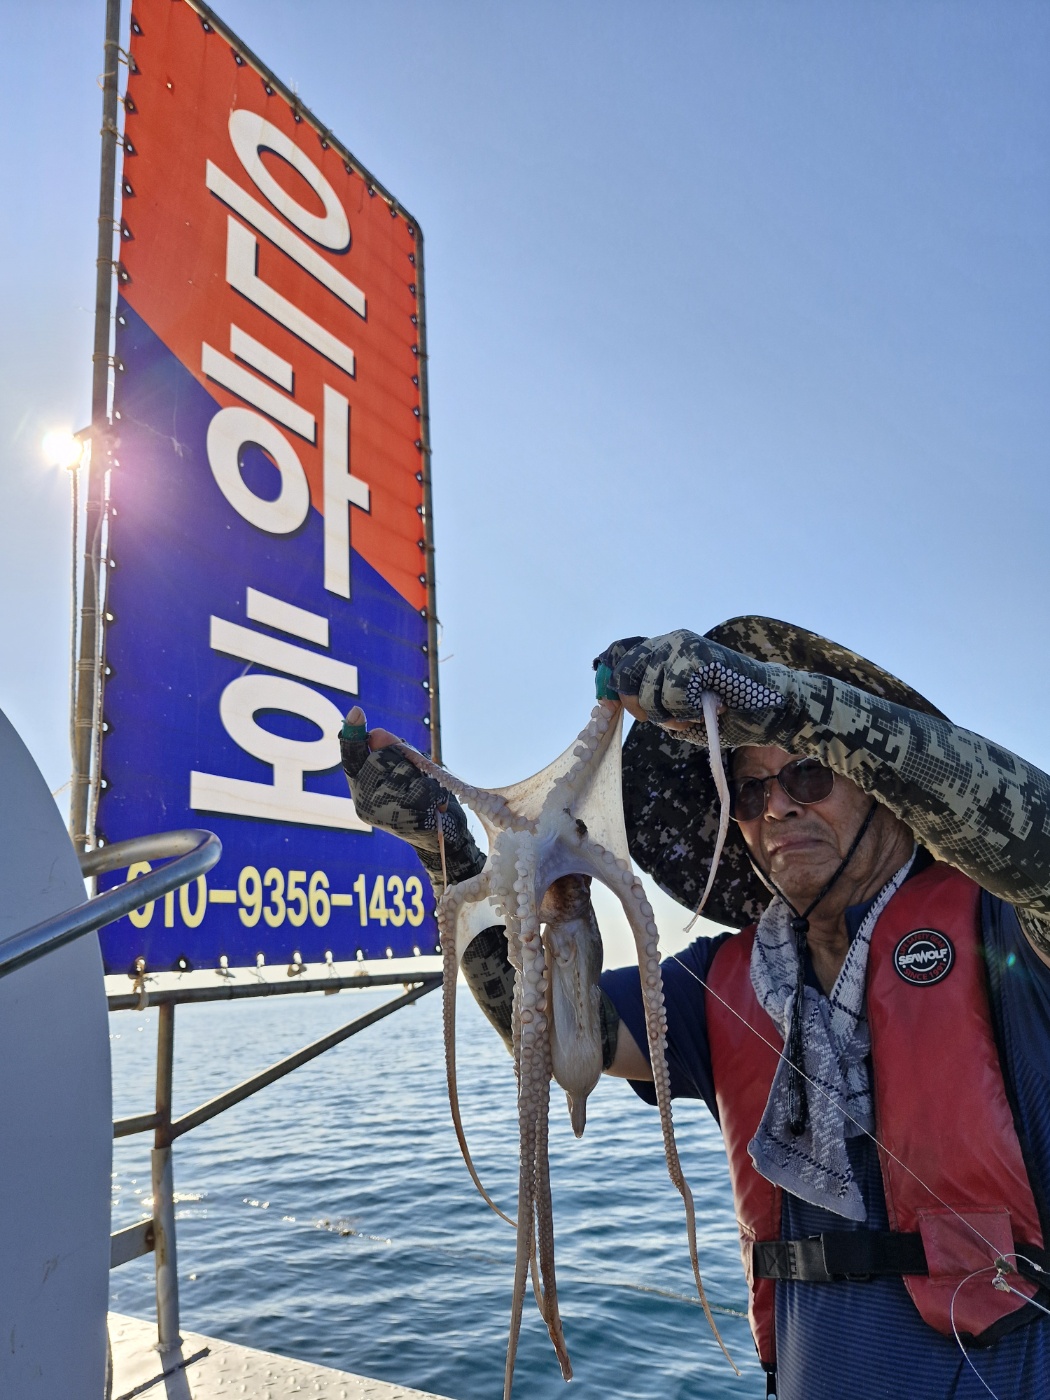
point(971, 803)
point(488, 972)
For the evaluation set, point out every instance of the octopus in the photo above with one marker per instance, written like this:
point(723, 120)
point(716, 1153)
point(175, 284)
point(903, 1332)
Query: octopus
point(549, 837)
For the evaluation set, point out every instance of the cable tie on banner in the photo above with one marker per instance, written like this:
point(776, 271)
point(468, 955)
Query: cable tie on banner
point(139, 984)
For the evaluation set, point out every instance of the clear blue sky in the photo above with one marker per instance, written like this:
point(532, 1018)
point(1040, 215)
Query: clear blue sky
point(732, 307)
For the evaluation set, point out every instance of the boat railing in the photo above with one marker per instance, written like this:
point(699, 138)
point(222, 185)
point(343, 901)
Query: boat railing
point(190, 852)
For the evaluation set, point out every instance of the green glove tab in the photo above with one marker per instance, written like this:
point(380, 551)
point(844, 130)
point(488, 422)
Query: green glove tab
point(602, 688)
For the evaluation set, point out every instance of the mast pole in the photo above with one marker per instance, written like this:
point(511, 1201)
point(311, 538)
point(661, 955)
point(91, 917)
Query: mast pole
point(428, 511)
point(86, 715)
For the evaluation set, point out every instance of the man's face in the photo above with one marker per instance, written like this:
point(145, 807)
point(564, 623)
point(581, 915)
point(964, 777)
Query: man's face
point(800, 846)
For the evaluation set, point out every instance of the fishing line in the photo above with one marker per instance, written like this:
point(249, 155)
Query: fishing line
point(1004, 1287)
point(999, 1283)
point(951, 1313)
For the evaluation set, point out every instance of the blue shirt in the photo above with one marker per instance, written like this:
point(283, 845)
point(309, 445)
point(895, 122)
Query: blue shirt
point(866, 1341)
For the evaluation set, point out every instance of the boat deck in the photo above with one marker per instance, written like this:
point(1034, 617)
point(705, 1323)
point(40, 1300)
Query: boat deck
point(203, 1368)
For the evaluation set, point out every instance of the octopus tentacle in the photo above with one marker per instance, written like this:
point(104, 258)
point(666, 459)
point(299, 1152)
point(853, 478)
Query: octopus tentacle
point(489, 805)
point(447, 918)
point(710, 702)
point(548, 1298)
point(533, 1026)
point(640, 917)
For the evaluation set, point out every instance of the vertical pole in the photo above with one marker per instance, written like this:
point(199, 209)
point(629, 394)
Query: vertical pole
point(74, 598)
point(163, 1188)
point(88, 678)
point(428, 508)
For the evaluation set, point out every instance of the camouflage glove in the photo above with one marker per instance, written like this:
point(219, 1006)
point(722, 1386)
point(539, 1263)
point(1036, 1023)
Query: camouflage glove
point(668, 675)
point(391, 793)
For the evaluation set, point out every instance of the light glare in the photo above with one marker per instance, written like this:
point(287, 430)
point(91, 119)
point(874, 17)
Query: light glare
point(62, 449)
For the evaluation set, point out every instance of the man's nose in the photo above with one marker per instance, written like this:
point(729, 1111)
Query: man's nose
point(778, 804)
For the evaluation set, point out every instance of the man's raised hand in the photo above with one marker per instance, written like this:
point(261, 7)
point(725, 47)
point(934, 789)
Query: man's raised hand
point(391, 793)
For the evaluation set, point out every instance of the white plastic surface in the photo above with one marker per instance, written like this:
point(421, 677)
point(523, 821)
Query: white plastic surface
point(206, 1369)
point(55, 1112)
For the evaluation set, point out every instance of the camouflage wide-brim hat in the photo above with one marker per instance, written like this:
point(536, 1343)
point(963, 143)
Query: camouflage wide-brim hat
point(670, 803)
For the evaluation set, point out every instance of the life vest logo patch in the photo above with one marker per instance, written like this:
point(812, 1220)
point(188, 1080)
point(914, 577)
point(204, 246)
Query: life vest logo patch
point(923, 957)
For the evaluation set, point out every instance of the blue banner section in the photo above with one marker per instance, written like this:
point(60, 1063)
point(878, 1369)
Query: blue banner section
point(228, 668)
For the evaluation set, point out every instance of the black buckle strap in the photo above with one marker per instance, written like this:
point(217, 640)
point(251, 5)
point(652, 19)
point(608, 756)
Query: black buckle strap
point(837, 1255)
point(1032, 1263)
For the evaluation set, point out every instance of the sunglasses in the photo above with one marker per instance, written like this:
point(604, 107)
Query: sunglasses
point(805, 781)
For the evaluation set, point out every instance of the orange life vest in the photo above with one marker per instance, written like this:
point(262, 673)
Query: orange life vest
point(948, 1147)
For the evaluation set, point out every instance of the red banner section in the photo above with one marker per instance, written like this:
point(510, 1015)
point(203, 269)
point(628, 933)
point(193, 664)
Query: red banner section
point(281, 280)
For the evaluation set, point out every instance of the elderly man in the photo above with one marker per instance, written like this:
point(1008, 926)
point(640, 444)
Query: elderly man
point(875, 1044)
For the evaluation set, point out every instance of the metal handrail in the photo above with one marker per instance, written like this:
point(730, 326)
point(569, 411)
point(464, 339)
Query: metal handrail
point(195, 851)
point(161, 845)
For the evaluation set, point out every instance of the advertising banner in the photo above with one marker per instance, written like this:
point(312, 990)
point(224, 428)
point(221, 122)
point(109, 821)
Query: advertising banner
point(268, 535)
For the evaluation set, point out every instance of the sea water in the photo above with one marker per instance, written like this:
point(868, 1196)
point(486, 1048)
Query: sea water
point(331, 1218)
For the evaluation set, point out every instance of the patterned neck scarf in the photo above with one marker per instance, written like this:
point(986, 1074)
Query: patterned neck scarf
point(836, 1043)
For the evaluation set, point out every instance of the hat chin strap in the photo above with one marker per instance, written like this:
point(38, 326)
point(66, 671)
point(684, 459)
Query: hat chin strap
point(797, 1101)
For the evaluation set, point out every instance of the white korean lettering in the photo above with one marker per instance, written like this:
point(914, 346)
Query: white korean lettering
point(234, 640)
point(281, 236)
point(233, 429)
point(284, 799)
point(286, 617)
point(341, 491)
point(252, 134)
point(266, 380)
point(262, 358)
point(259, 394)
point(242, 264)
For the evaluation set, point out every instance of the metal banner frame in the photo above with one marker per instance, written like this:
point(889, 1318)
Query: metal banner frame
point(156, 1234)
point(194, 852)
